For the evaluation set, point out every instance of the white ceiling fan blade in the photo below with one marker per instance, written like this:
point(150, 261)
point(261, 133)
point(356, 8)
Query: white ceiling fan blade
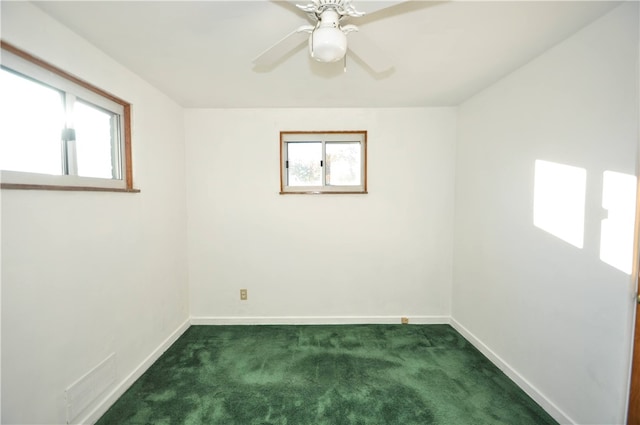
point(370, 7)
point(369, 52)
point(292, 5)
point(274, 53)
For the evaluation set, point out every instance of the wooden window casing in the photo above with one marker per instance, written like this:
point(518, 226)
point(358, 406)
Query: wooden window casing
point(351, 136)
point(127, 166)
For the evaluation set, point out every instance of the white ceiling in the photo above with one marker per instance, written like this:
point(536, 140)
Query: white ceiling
point(200, 52)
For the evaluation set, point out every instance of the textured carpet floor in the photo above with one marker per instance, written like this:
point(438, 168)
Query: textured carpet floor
point(324, 375)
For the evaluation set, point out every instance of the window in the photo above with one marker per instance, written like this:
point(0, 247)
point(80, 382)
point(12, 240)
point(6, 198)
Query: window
point(59, 132)
point(323, 162)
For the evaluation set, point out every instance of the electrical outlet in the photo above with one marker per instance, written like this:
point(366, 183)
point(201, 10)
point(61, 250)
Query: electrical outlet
point(404, 320)
point(243, 294)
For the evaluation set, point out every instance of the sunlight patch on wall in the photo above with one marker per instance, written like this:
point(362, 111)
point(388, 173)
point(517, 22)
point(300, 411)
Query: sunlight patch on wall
point(559, 201)
point(616, 237)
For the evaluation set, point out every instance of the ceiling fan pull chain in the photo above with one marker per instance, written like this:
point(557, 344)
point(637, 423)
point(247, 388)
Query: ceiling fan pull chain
point(345, 63)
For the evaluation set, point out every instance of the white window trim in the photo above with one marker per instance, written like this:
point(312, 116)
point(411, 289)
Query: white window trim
point(359, 136)
point(24, 63)
point(10, 178)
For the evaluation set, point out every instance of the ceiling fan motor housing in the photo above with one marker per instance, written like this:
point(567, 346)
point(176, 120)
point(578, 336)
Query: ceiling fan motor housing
point(328, 43)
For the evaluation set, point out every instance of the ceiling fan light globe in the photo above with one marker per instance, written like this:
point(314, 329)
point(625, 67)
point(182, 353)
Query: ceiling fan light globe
point(328, 44)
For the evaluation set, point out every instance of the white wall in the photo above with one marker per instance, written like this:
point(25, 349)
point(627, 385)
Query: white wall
point(87, 274)
point(323, 258)
point(556, 314)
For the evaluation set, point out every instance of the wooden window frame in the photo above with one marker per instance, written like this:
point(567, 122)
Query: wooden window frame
point(322, 190)
point(127, 171)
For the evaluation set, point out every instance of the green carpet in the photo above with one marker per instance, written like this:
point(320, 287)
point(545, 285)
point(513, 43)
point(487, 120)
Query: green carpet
point(324, 375)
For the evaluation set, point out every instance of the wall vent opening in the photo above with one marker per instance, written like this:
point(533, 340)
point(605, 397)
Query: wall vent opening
point(82, 393)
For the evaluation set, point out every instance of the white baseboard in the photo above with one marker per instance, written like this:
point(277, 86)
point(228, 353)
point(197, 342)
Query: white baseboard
point(520, 381)
point(318, 320)
point(123, 386)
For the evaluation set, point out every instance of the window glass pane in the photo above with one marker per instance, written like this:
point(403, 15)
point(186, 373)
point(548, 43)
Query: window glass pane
point(31, 122)
point(96, 131)
point(304, 164)
point(343, 163)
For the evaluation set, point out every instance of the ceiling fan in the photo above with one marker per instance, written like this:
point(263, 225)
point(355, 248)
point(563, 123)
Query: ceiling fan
point(327, 36)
